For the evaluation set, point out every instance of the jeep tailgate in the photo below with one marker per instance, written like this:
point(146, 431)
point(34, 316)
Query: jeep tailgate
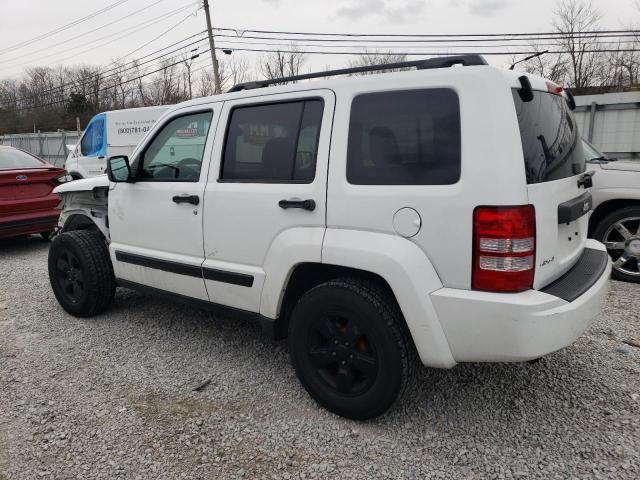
point(554, 165)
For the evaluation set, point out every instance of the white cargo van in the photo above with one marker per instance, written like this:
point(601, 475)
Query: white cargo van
point(110, 133)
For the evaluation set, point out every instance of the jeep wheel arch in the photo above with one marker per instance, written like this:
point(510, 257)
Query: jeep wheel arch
point(396, 261)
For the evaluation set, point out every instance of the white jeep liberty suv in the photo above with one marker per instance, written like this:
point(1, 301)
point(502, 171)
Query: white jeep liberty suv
point(438, 214)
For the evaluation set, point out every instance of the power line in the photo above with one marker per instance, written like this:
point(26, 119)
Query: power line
point(58, 102)
point(320, 52)
point(134, 29)
point(131, 31)
point(161, 49)
point(120, 68)
point(163, 33)
point(382, 47)
point(240, 32)
point(62, 28)
point(439, 40)
point(86, 33)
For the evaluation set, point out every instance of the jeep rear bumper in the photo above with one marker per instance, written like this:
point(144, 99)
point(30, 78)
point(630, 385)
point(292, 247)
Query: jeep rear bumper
point(495, 327)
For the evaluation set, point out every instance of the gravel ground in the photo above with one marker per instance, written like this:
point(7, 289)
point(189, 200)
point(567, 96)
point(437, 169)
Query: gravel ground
point(113, 397)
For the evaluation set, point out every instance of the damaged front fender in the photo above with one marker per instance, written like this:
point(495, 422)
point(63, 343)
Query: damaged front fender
point(84, 204)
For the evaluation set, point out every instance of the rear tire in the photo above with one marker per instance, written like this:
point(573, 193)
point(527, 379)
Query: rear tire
point(617, 246)
point(81, 273)
point(350, 347)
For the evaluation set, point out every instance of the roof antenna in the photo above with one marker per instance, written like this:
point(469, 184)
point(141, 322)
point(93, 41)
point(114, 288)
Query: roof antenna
point(528, 58)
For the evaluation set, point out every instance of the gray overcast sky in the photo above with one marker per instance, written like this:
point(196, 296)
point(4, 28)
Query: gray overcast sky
point(21, 20)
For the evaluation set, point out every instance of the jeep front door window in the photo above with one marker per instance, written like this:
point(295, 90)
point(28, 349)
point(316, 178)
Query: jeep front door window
point(175, 154)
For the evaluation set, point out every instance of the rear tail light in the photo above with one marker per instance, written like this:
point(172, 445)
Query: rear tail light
point(504, 248)
point(63, 179)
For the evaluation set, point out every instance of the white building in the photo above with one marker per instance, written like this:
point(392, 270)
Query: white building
point(611, 122)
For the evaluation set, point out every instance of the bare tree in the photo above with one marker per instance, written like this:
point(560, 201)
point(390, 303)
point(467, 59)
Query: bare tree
point(572, 19)
point(206, 83)
point(120, 80)
point(187, 63)
point(164, 87)
point(9, 106)
point(233, 70)
point(621, 66)
point(376, 57)
point(282, 64)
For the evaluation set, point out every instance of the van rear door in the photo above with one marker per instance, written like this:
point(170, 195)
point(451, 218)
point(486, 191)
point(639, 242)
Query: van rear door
point(554, 164)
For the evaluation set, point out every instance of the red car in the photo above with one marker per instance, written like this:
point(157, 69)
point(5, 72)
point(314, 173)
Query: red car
point(27, 202)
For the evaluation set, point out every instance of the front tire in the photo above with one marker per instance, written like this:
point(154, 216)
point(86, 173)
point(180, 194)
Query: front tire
point(350, 347)
point(81, 273)
point(620, 233)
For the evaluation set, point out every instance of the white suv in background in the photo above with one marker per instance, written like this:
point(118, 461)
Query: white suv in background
point(439, 214)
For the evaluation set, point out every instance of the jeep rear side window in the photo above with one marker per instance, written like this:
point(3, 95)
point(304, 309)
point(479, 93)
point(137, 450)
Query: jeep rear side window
point(407, 137)
point(273, 143)
point(550, 140)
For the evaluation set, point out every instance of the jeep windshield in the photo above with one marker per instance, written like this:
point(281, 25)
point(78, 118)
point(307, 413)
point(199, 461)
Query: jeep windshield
point(551, 143)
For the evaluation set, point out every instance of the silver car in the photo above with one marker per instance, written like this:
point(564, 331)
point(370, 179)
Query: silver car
point(616, 217)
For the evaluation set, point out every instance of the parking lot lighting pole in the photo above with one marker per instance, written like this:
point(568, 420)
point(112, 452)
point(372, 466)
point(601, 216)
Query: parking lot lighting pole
point(212, 47)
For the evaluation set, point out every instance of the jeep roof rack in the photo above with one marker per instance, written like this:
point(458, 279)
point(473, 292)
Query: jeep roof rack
point(439, 62)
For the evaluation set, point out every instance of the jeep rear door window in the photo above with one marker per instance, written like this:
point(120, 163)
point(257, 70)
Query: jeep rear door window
point(409, 137)
point(273, 143)
point(551, 143)
point(175, 154)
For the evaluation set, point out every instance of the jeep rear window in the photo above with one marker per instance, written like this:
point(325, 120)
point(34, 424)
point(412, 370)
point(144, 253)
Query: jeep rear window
point(550, 139)
point(409, 137)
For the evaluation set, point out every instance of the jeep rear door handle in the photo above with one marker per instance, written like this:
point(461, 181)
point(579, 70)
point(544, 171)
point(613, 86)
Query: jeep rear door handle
point(186, 198)
point(303, 204)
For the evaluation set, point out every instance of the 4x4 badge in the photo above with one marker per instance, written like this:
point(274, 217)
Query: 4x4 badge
point(547, 261)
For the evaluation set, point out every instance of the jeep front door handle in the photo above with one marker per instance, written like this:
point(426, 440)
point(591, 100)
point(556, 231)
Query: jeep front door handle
point(186, 198)
point(303, 204)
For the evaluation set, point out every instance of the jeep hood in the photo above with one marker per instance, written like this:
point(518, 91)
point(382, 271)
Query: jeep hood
point(626, 165)
point(83, 185)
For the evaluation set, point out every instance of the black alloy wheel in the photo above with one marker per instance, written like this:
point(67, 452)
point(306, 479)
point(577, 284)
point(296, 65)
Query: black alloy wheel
point(70, 276)
point(80, 272)
point(342, 354)
point(350, 347)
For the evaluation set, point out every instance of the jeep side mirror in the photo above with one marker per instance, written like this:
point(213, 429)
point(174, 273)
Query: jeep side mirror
point(118, 169)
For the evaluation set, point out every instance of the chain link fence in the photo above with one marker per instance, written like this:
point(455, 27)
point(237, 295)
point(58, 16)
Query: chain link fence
point(50, 146)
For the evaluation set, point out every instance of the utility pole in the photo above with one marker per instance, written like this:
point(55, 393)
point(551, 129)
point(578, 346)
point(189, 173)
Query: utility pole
point(212, 47)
